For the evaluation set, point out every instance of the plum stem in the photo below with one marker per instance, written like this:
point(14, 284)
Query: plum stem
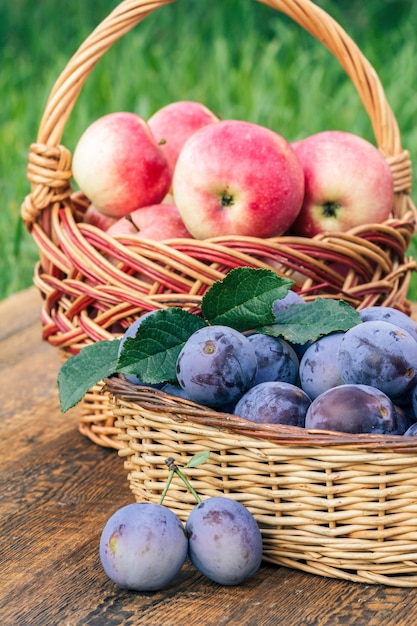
point(173, 469)
point(169, 480)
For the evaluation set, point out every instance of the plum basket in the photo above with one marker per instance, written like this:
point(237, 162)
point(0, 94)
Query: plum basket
point(332, 504)
point(326, 503)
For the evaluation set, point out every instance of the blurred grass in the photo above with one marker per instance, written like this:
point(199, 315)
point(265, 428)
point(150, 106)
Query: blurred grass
point(242, 59)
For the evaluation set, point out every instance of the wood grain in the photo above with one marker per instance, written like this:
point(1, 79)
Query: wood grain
point(57, 490)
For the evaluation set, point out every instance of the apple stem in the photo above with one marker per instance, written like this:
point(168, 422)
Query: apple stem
point(227, 199)
point(129, 219)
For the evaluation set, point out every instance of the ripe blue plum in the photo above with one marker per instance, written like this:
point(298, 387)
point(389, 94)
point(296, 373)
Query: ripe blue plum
point(274, 402)
point(175, 390)
point(276, 359)
point(143, 546)
point(405, 418)
point(283, 303)
point(411, 431)
point(353, 408)
point(225, 543)
point(216, 365)
point(300, 348)
point(413, 395)
point(379, 354)
point(388, 314)
point(319, 368)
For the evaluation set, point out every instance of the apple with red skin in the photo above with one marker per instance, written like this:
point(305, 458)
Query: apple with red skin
point(97, 219)
point(347, 183)
point(237, 178)
point(119, 166)
point(157, 222)
point(174, 123)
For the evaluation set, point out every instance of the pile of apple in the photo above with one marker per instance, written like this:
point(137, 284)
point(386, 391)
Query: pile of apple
point(186, 173)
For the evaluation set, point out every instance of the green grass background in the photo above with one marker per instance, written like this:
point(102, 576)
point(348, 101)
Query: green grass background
point(242, 59)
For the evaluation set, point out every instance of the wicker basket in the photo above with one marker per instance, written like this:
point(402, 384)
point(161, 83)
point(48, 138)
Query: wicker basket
point(87, 298)
point(331, 504)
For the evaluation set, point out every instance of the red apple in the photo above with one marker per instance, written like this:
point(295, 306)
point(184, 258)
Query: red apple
point(174, 123)
point(157, 222)
point(119, 166)
point(347, 183)
point(237, 178)
point(95, 218)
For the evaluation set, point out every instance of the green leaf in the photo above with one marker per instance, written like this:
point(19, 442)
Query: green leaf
point(306, 322)
point(81, 372)
point(152, 354)
point(198, 459)
point(244, 298)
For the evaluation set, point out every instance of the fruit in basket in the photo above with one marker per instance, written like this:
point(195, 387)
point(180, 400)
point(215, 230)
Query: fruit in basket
point(274, 402)
point(405, 417)
point(283, 303)
point(414, 400)
point(225, 543)
point(380, 354)
point(143, 546)
point(411, 431)
point(119, 166)
point(173, 389)
point(276, 359)
point(216, 366)
point(156, 222)
point(319, 367)
point(353, 408)
point(388, 314)
point(237, 178)
point(174, 123)
point(97, 219)
point(347, 183)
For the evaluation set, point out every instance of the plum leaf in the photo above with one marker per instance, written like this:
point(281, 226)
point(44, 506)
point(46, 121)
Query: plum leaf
point(82, 371)
point(301, 323)
point(198, 459)
point(244, 298)
point(152, 354)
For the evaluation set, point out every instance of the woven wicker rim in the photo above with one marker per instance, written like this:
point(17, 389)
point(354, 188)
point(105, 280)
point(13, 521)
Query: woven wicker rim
point(179, 409)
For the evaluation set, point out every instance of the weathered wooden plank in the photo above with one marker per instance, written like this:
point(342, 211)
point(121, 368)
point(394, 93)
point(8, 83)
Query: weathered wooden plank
point(57, 489)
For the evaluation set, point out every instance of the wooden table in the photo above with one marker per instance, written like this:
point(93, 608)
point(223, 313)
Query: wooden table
point(57, 489)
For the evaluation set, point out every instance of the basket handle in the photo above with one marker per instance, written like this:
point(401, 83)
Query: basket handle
point(49, 167)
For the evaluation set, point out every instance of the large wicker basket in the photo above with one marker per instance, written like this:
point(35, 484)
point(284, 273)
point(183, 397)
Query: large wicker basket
point(327, 503)
point(87, 298)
